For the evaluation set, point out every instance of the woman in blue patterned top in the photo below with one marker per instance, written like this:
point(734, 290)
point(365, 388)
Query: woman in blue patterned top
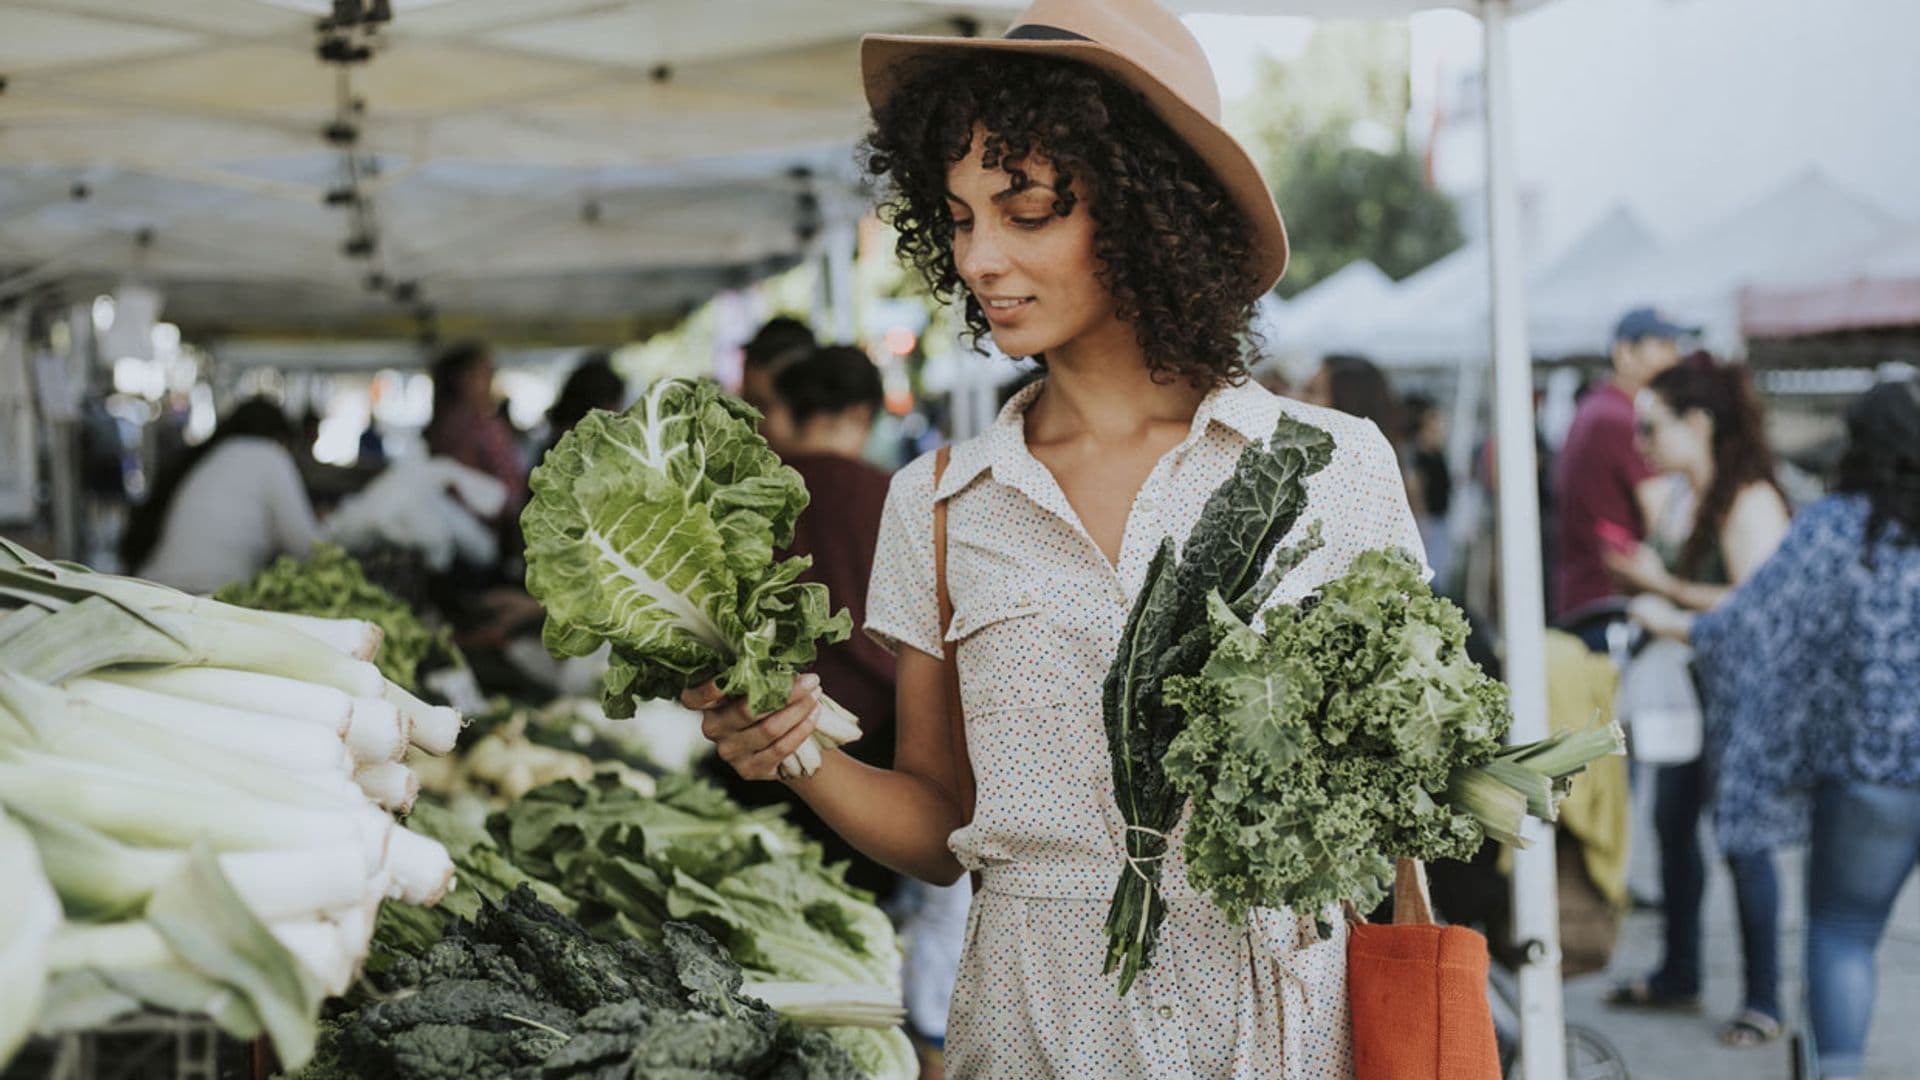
point(1820, 653)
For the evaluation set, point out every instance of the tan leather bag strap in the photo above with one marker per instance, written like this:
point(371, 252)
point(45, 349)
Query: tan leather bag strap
point(956, 722)
point(1412, 905)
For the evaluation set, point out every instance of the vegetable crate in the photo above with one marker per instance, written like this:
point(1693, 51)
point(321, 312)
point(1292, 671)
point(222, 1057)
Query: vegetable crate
point(151, 1046)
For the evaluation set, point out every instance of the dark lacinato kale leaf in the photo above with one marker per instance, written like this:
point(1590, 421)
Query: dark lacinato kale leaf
point(523, 992)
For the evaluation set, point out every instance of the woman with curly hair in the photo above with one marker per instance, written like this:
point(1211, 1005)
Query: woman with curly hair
point(1817, 652)
point(1071, 188)
point(1718, 514)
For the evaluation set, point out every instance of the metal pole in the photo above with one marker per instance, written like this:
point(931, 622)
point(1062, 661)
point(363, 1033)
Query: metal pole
point(1536, 921)
point(841, 240)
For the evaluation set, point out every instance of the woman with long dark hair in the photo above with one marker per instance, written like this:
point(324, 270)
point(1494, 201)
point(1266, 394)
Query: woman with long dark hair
point(225, 508)
point(467, 426)
point(1070, 187)
point(1817, 652)
point(1703, 430)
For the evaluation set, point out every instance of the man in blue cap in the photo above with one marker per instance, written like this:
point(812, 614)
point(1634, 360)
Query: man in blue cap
point(1598, 472)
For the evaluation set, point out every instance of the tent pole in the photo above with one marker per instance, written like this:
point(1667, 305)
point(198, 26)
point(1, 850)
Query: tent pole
point(1523, 609)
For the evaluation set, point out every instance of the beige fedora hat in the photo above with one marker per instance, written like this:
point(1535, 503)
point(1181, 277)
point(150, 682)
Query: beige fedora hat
point(1144, 46)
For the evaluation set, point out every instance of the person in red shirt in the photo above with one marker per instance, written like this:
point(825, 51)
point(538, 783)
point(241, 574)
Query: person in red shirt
point(1598, 474)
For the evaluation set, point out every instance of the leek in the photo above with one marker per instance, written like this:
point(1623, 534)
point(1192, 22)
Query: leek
point(31, 913)
point(287, 744)
point(831, 1004)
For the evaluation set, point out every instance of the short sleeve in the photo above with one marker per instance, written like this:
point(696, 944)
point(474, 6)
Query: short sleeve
point(902, 606)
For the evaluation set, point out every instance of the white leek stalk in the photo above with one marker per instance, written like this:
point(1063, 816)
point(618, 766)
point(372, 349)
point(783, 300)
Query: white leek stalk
point(421, 869)
point(99, 877)
point(272, 740)
point(30, 913)
point(390, 784)
point(831, 1004)
point(373, 729)
point(169, 813)
point(435, 727)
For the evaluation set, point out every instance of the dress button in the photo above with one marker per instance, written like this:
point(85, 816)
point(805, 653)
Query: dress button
point(1166, 1012)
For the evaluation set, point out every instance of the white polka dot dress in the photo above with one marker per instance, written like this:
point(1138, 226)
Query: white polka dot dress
point(1038, 612)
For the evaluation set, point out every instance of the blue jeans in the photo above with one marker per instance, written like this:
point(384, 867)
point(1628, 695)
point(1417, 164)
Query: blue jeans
point(1679, 798)
point(1866, 838)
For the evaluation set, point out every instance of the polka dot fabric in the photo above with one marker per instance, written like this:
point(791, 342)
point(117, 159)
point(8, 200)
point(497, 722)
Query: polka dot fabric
point(1038, 612)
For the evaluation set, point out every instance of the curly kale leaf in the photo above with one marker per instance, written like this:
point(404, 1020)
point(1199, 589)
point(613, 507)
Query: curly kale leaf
point(1320, 750)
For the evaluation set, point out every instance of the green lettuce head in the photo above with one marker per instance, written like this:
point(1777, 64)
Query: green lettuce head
point(653, 531)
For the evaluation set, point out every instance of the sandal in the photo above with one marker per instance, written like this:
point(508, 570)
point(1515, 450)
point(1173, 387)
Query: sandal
point(1751, 1028)
point(1640, 994)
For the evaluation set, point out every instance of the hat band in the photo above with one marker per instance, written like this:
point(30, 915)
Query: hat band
point(1042, 32)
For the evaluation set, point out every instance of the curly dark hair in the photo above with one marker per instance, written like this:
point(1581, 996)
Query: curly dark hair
point(1177, 253)
point(1882, 460)
point(1741, 454)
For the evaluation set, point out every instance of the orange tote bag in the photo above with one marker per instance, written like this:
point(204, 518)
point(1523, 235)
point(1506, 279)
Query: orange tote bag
point(1417, 993)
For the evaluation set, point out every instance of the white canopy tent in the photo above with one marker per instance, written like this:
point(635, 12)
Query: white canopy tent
point(1872, 288)
point(1439, 317)
point(625, 115)
point(537, 161)
point(1331, 316)
point(1806, 221)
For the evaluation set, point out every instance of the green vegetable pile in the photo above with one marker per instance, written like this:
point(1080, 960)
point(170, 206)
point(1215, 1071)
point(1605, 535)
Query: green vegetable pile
point(329, 583)
point(626, 866)
point(521, 991)
point(653, 531)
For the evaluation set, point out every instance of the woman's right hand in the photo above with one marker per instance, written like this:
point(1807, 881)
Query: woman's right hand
point(753, 745)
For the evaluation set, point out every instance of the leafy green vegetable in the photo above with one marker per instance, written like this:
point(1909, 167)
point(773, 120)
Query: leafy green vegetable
point(330, 583)
point(520, 990)
point(1238, 532)
point(1353, 731)
point(653, 531)
point(629, 866)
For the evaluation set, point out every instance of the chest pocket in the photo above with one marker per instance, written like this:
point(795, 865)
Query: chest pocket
point(1000, 637)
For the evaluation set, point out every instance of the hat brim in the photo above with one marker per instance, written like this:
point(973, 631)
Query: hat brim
point(884, 64)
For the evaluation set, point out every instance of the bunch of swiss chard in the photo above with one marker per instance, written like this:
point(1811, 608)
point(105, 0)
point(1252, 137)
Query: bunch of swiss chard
point(1352, 731)
point(653, 531)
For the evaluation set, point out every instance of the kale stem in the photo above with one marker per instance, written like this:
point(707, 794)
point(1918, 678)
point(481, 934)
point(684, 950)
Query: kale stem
point(556, 1032)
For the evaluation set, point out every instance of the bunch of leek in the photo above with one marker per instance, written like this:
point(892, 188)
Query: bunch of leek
point(195, 805)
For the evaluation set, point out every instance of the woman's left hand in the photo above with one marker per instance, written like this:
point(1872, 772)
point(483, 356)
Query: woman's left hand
point(1660, 616)
point(1639, 567)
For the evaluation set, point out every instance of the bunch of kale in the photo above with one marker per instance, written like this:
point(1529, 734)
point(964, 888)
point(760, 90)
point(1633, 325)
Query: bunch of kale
point(1168, 635)
point(522, 992)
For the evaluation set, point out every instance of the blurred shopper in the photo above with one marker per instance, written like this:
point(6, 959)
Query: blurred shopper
point(593, 384)
point(226, 508)
point(820, 417)
point(1426, 463)
point(1598, 473)
point(1701, 423)
point(1815, 653)
point(782, 340)
point(1356, 386)
point(467, 424)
